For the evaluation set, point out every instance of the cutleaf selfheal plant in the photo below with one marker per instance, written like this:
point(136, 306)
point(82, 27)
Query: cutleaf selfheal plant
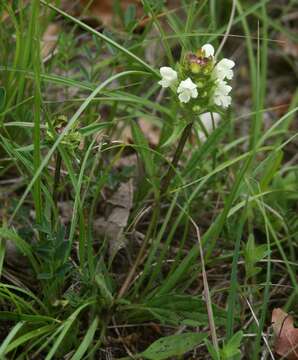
point(200, 83)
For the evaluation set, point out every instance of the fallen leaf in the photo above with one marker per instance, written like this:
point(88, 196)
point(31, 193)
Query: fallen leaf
point(149, 129)
point(113, 225)
point(104, 9)
point(286, 341)
point(49, 40)
point(288, 46)
point(14, 257)
point(65, 211)
point(127, 161)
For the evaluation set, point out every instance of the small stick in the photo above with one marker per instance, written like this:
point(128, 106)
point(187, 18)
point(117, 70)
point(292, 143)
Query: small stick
point(206, 290)
point(257, 322)
point(227, 33)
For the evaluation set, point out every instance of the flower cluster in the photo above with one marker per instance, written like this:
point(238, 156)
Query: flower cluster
point(200, 77)
point(71, 140)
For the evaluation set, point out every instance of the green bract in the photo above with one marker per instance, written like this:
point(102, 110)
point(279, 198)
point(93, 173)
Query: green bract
point(71, 140)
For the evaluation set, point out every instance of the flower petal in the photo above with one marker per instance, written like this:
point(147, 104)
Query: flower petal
point(223, 70)
point(187, 84)
point(184, 97)
point(194, 93)
point(168, 73)
point(164, 83)
point(208, 50)
point(226, 63)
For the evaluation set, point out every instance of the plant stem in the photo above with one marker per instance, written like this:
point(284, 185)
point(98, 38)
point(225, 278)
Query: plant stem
point(207, 291)
point(156, 207)
point(171, 171)
point(34, 32)
point(214, 152)
point(56, 181)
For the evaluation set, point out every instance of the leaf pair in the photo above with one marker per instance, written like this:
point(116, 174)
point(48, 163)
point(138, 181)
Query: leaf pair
point(230, 350)
point(253, 254)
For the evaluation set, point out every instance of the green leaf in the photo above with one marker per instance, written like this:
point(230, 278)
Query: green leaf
point(144, 150)
point(176, 132)
point(94, 128)
point(173, 309)
point(9, 338)
point(270, 168)
point(27, 336)
point(260, 252)
point(206, 148)
point(103, 37)
point(21, 245)
point(2, 98)
point(103, 288)
point(129, 16)
point(63, 330)
point(88, 338)
point(174, 345)
point(253, 254)
point(13, 316)
point(212, 352)
point(231, 349)
point(44, 276)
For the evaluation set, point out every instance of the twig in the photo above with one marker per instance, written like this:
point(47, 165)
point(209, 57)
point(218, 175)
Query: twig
point(206, 290)
point(121, 338)
point(257, 322)
point(226, 35)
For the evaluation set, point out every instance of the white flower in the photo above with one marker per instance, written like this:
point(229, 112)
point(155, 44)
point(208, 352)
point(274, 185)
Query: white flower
point(169, 76)
point(221, 94)
point(187, 90)
point(223, 69)
point(208, 50)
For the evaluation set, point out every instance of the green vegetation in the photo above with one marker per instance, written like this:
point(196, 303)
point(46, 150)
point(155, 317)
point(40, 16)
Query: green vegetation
point(129, 229)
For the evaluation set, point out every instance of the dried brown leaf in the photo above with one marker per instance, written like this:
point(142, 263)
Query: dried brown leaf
point(104, 9)
point(286, 341)
point(149, 129)
point(113, 225)
point(49, 40)
point(289, 46)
